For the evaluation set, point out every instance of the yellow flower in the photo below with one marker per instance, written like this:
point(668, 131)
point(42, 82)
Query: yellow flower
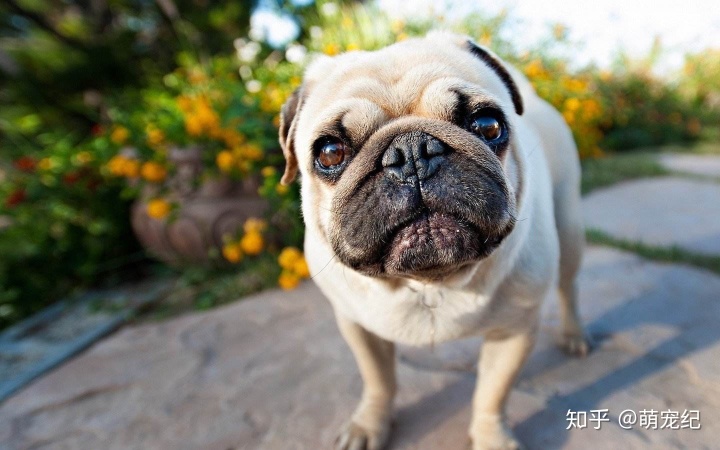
point(184, 103)
point(254, 225)
point(155, 136)
point(252, 152)
point(232, 252)
point(225, 160)
point(397, 26)
point(83, 158)
point(193, 127)
point(288, 280)
point(331, 49)
point(401, 37)
point(352, 46)
point(119, 134)
point(232, 138)
point(282, 189)
point(47, 164)
point(158, 208)
point(486, 38)
point(572, 104)
point(252, 243)
point(268, 171)
point(153, 172)
point(300, 268)
point(288, 257)
point(347, 22)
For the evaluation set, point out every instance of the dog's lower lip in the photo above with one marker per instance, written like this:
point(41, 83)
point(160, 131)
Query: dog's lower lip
point(432, 244)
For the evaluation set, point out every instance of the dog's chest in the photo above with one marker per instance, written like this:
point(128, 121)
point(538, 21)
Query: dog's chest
point(418, 315)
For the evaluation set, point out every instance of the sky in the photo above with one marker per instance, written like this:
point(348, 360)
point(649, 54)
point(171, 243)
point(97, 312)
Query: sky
point(601, 27)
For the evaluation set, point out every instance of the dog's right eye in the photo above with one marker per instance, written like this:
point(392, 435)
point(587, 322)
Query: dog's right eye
point(331, 154)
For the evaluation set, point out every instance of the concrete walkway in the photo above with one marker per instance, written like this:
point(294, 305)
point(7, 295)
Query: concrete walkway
point(271, 371)
point(662, 211)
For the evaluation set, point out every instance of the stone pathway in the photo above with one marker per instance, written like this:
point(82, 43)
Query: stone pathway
point(662, 211)
point(271, 371)
point(705, 165)
point(38, 344)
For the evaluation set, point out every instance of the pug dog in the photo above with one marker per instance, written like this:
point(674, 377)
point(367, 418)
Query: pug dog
point(441, 200)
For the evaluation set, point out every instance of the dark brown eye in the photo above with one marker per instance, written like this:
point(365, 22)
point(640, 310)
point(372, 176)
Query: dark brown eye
point(487, 127)
point(332, 154)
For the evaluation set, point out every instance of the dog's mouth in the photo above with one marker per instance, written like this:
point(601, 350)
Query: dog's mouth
point(435, 245)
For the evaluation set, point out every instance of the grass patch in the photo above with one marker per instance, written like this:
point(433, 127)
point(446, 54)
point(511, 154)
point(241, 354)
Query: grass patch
point(672, 254)
point(601, 172)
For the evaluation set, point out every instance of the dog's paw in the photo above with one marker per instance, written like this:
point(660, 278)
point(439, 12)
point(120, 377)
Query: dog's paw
point(492, 434)
point(356, 437)
point(575, 343)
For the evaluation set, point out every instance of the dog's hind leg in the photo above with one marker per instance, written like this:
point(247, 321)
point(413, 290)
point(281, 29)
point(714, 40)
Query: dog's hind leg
point(568, 220)
point(369, 427)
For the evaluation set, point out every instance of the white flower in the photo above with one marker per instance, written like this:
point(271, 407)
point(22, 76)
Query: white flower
point(249, 52)
point(329, 9)
point(253, 86)
point(296, 53)
point(245, 72)
point(316, 32)
point(239, 43)
point(257, 33)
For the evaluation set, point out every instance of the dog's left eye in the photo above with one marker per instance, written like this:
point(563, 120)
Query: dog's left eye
point(488, 125)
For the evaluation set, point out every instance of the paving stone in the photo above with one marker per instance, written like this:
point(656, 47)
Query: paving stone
point(706, 165)
point(32, 347)
point(271, 372)
point(638, 211)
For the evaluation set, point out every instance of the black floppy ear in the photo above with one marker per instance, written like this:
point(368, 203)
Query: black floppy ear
point(288, 114)
point(495, 64)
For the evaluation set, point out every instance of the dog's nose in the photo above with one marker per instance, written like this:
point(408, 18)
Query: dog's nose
point(413, 156)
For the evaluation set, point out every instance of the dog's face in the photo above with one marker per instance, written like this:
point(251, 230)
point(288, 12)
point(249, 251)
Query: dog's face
point(403, 155)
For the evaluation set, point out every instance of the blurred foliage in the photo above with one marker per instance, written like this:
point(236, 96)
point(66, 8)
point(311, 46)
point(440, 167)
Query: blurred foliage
point(93, 96)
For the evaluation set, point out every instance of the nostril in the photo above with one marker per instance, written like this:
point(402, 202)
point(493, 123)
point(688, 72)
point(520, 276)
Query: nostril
point(393, 157)
point(433, 147)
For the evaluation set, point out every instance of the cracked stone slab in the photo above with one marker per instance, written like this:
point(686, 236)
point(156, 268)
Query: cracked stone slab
point(664, 211)
point(272, 372)
point(705, 165)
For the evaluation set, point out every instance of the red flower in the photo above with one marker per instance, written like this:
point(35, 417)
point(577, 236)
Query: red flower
point(71, 178)
point(97, 130)
point(25, 164)
point(14, 199)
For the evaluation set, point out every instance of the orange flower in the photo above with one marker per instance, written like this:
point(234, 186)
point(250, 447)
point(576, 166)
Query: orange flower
point(254, 225)
point(225, 160)
point(119, 135)
point(300, 268)
point(158, 208)
point(252, 243)
point(288, 280)
point(232, 253)
point(331, 49)
point(153, 172)
point(131, 168)
point(288, 257)
point(155, 137)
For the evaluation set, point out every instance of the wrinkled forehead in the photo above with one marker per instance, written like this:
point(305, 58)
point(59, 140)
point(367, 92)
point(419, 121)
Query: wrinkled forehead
point(417, 77)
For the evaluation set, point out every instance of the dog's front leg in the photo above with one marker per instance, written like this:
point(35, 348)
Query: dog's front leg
point(501, 359)
point(369, 427)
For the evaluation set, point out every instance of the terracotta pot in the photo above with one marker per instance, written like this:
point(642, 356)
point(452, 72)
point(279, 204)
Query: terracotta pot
point(207, 210)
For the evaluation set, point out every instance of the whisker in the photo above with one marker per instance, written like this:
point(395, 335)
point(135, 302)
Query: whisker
point(321, 270)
